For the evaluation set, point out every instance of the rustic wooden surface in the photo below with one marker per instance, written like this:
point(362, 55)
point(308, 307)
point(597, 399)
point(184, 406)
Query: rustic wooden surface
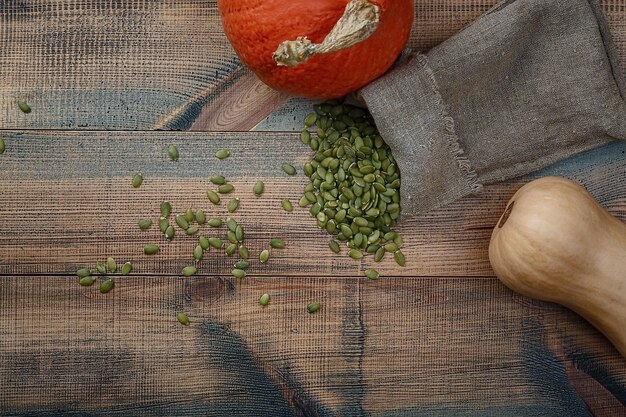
point(439, 337)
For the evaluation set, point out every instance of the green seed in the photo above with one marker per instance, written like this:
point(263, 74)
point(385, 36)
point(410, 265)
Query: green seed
point(233, 205)
point(182, 319)
point(204, 243)
point(166, 209)
point(303, 202)
point(238, 273)
point(258, 188)
point(232, 238)
point(215, 222)
point(111, 265)
point(189, 271)
point(213, 197)
point(2, 146)
point(264, 300)
point(310, 196)
point(239, 233)
point(169, 233)
point(380, 254)
point(24, 107)
point(107, 286)
point(145, 224)
point(391, 247)
point(231, 224)
point(87, 281)
point(305, 137)
point(137, 180)
point(264, 256)
point(243, 252)
point(242, 264)
point(163, 224)
point(225, 189)
point(355, 254)
point(191, 230)
point(230, 249)
point(189, 215)
point(289, 169)
point(216, 242)
point(218, 179)
point(334, 246)
point(310, 120)
point(313, 307)
point(182, 222)
point(101, 268)
point(197, 253)
point(222, 153)
point(172, 152)
point(82, 273)
point(150, 249)
point(399, 257)
point(372, 274)
point(399, 241)
point(360, 221)
point(287, 206)
point(277, 243)
point(200, 217)
point(127, 268)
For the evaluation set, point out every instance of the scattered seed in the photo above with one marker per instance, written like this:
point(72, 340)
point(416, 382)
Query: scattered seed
point(310, 120)
point(191, 230)
point(87, 281)
point(391, 247)
point(111, 265)
point(264, 255)
point(182, 222)
point(169, 233)
point(216, 242)
point(222, 153)
point(172, 152)
point(313, 307)
point(182, 319)
point(231, 224)
point(334, 246)
point(303, 202)
point(264, 300)
point(243, 252)
point(107, 286)
point(213, 197)
point(150, 249)
point(189, 215)
point(355, 254)
point(145, 224)
point(200, 217)
point(215, 222)
point(197, 253)
point(289, 169)
point(218, 180)
point(238, 273)
point(399, 257)
point(204, 243)
point(166, 209)
point(127, 268)
point(189, 271)
point(239, 233)
point(305, 137)
point(137, 180)
point(372, 274)
point(258, 188)
point(233, 205)
point(380, 254)
point(232, 238)
point(225, 189)
point(163, 224)
point(2, 146)
point(101, 268)
point(83, 272)
point(277, 243)
point(242, 264)
point(287, 206)
point(230, 249)
point(24, 107)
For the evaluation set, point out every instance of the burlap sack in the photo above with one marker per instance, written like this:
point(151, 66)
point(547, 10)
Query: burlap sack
point(529, 83)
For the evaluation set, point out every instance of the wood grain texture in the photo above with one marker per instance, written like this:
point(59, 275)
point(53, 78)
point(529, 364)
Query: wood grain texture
point(396, 347)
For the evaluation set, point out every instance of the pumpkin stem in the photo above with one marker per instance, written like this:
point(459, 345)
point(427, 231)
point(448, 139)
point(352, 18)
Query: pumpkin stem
point(360, 19)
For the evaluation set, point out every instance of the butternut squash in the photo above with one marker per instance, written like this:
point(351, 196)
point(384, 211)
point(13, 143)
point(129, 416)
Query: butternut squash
point(555, 243)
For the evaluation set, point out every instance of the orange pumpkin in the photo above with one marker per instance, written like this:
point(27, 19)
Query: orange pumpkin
point(342, 63)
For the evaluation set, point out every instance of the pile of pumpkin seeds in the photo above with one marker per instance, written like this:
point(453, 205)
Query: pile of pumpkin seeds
point(353, 191)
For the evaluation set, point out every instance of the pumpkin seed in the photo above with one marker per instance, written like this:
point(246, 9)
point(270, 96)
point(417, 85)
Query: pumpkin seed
point(391, 247)
point(2, 146)
point(222, 153)
point(399, 241)
point(372, 274)
point(150, 249)
point(197, 253)
point(215, 222)
point(277, 243)
point(264, 300)
point(334, 246)
point(83, 272)
point(87, 281)
point(243, 252)
point(216, 242)
point(166, 209)
point(127, 268)
point(225, 189)
point(399, 257)
point(238, 273)
point(218, 179)
point(172, 152)
point(313, 307)
point(189, 271)
point(145, 224)
point(310, 120)
point(258, 188)
point(355, 254)
point(107, 286)
point(230, 249)
point(264, 255)
point(242, 264)
point(182, 222)
point(303, 202)
point(305, 137)
point(231, 224)
point(182, 318)
point(101, 268)
point(233, 205)
point(189, 215)
point(24, 107)
point(204, 243)
point(191, 230)
point(213, 197)
point(111, 265)
point(239, 233)
point(287, 206)
point(200, 217)
point(163, 224)
point(289, 169)
point(169, 233)
point(137, 180)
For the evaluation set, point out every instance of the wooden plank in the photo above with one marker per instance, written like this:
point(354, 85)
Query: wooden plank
point(67, 201)
point(161, 65)
point(396, 347)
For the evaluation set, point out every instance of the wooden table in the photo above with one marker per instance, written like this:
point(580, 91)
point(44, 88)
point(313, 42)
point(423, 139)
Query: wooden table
point(112, 84)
